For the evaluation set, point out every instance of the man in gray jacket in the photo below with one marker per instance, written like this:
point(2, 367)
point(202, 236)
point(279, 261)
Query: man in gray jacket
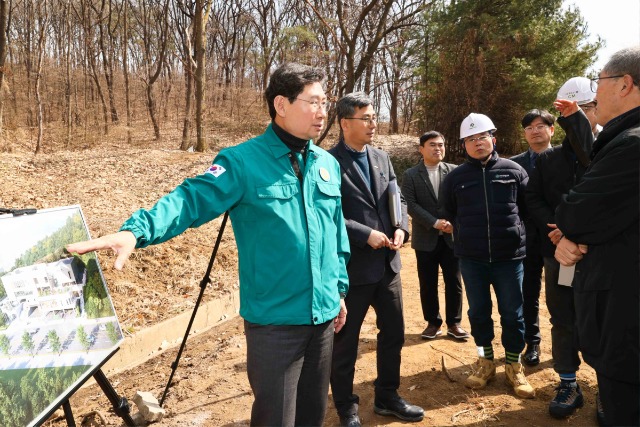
point(432, 238)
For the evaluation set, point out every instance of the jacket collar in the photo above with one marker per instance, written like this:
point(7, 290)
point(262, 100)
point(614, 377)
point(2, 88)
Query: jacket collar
point(614, 127)
point(279, 148)
point(493, 157)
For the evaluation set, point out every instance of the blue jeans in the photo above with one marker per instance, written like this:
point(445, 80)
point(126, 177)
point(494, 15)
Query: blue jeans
point(506, 278)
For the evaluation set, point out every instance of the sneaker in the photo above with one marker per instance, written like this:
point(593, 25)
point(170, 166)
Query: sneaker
point(568, 399)
point(457, 332)
point(483, 371)
point(431, 332)
point(515, 377)
point(599, 411)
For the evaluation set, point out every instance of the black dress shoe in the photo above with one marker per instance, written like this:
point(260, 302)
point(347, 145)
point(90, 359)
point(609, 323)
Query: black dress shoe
point(398, 407)
point(352, 420)
point(532, 355)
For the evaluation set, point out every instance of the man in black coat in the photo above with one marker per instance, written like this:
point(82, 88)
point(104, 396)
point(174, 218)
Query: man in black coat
point(374, 266)
point(431, 238)
point(557, 170)
point(599, 220)
point(538, 130)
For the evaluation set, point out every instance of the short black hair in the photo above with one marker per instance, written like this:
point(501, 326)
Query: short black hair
point(289, 80)
point(430, 135)
point(346, 106)
point(548, 118)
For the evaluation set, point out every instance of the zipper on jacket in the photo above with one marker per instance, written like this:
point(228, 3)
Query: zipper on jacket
point(486, 204)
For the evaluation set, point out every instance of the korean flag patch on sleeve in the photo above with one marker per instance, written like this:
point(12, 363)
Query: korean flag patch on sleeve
point(216, 170)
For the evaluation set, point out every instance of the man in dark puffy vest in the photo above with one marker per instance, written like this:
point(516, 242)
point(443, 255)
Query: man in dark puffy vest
point(483, 198)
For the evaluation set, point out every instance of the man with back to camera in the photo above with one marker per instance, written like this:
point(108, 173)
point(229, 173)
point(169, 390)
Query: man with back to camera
point(483, 199)
point(283, 197)
point(431, 238)
point(599, 223)
point(557, 170)
point(374, 266)
point(538, 130)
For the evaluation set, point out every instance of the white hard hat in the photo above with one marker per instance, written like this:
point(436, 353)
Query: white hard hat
point(577, 89)
point(475, 123)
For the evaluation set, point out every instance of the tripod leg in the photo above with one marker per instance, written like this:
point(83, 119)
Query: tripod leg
point(203, 285)
point(120, 404)
point(68, 415)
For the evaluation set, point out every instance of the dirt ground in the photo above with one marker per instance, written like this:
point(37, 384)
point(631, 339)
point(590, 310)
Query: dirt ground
point(110, 181)
point(211, 387)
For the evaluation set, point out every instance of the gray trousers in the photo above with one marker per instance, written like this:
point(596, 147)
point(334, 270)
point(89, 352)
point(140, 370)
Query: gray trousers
point(288, 368)
point(562, 310)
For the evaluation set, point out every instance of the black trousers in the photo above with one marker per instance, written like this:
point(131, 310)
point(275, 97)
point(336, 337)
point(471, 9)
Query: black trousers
point(428, 264)
point(385, 297)
point(620, 401)
point(531, 285)
point(562, 310)
point(288, 369)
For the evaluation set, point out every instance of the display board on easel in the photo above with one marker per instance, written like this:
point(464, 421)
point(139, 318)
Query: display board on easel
point(57, 321)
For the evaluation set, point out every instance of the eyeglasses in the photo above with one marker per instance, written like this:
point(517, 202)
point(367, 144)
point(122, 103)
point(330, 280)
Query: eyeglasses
point(316, 105)
point(537, 128)
point(594, 81)
point(478, 138)
point(587, 108)
point(369, 119)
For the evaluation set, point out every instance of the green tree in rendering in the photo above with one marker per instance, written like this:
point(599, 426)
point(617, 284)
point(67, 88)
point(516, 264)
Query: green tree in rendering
point(5, 344)
point(54, 341)
point(27, 342)
point(83, 338)
point(112, 332)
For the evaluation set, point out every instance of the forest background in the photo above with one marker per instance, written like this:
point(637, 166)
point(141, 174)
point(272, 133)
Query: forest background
point(76, 73)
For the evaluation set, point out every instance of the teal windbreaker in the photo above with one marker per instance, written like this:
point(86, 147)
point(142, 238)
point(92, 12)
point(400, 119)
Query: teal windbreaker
point(292, 242)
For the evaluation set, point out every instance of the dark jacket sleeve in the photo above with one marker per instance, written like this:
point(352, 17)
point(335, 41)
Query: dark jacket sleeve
point(539, 210)
point(578, 131)
point(522, 205)
point(405, 216)
point(448, 199)
point(605, 202)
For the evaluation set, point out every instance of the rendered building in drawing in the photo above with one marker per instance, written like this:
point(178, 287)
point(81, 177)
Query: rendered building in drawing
point(39, 289)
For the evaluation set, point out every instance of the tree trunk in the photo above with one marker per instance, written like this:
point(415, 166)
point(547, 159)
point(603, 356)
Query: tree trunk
point(125, 68)
point(200, 43)
point(151, 104)
point(3, 55)
point(67, 83)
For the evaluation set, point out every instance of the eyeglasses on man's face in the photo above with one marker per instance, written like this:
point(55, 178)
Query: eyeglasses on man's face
point(537, 128)
point(595, 80)
point(588, 107)
point(480, 138)
point(369, 119)
point(316, 104)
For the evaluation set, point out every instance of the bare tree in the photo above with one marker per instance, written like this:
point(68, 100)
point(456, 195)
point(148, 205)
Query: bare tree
point(125, 65)
point(153, 33)
point(358, 30)
point(4, 23)
point(41, 28)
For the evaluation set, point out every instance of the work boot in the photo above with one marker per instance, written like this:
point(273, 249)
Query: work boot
point(515, 377)
point(568, 399)
point(483, 370)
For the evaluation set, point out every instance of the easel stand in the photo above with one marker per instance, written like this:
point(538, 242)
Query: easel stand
point(120, 404)
point(203, 285)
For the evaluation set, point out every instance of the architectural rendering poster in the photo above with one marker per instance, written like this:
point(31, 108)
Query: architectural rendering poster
point(57, 322)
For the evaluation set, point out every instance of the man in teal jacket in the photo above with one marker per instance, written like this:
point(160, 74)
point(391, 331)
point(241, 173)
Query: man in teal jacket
point(283, 197)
